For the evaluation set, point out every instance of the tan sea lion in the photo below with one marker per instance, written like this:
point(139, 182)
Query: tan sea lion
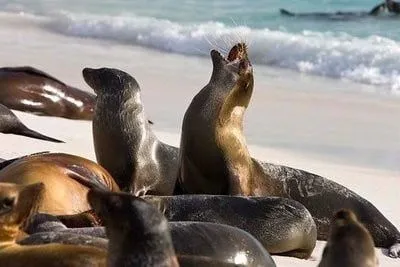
point(124, 142)
point(214, 158)
point(32, 90)
point(10, 124)
point(349, 243)
point(67, 179)
point(17, 203)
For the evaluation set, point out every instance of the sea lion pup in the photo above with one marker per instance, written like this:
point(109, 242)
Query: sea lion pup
point(10, 124)
point(124, 142)
point(214, 158)
point(32, 90)
point(17, 203)
point(349, 243)
point(283, 226)
point(219, 242)
point(138, 234)
point(67, 179)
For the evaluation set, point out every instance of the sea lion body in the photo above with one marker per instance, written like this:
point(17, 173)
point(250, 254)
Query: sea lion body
point(124, 142)
point(18, 202)
point(10, 124)
point(349, 243)
point(281, 225)
point(67, 179)
point(32, 90)
point(214, 158)
point(219, 242)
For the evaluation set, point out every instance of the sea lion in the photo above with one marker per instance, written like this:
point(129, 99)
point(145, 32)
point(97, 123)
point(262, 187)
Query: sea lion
point(220, 242)
point(29, 89)
point(349, 244)
point(10, 124)
point(337, 15)
point(17, 203)
point(282, 226)
point(67, 179)
point(124, 143)
point(138, 234)
point(214, 158)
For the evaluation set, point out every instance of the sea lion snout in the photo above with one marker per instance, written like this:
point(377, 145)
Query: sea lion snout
point(109, 81)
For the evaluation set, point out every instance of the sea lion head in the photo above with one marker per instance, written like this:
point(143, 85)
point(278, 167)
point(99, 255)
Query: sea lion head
point(124, 213)
point(17, 203)
point(137, 231)
point(344, 217)
point(108, 81)
point(234, 74)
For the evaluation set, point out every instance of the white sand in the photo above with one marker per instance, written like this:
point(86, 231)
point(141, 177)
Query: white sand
point(320, 125)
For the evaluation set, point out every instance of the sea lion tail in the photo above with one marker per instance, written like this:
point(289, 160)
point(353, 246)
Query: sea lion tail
point(33, 134)
point(286, 12)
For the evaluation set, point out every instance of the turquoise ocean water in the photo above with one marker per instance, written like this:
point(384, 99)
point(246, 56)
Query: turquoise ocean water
point(364, 50)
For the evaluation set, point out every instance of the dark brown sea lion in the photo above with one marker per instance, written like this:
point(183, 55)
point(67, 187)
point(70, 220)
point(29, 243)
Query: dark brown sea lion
point(349, 244)
point(282, 226)
point(10, 124)
point(219, 242)
point(32, 90)
point(139, 234)
point(214, 158)
point(17, 203)
point(67, 179)
point(124, 142)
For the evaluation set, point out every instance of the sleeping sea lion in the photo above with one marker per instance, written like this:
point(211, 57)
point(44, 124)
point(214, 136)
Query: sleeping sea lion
point(219, 242)
point(18, 202)
point(32, 90)
point(138, 233)
point(67, 179)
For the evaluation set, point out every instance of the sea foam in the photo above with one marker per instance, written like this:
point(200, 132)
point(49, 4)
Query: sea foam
point(372, 60)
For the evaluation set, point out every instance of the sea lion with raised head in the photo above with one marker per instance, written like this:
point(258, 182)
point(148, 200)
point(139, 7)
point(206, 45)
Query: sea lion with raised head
point(124, 142)
point(32, 90)
point(67, 179)
point(349, 243)
point(219, 242)
point(214, 158)
point(18, 202)
point(10, 124)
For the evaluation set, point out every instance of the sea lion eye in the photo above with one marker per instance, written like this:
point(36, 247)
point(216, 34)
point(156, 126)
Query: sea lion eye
point(7, 203)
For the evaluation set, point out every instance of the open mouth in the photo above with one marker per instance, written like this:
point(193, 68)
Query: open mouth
point(237, 53)
point(238, 57)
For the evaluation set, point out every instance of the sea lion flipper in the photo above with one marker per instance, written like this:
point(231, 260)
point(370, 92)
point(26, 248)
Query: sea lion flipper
point(32, 71)
point(394, 250)
point(286, 12)
point(86, 177)
point(31, 133)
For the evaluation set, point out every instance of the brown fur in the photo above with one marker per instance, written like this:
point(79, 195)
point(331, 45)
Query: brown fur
point(349, 244)
point(67, 179)
point(17, 203)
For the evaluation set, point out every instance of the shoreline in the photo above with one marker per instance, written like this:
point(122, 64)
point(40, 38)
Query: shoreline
point(317, 124)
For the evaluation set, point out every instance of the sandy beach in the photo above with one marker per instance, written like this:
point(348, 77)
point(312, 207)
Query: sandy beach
point(337, 129)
